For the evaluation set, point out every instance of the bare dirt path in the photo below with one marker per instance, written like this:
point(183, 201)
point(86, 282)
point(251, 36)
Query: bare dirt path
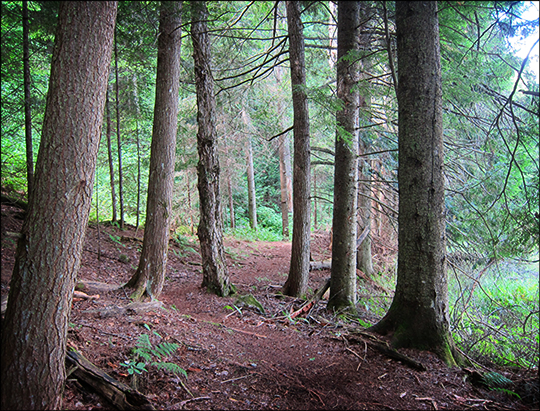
point(235, 356)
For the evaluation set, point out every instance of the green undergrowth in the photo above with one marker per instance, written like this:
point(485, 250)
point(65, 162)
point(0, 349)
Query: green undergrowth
point(495, 315)
point(250, 234)
point(148, 354)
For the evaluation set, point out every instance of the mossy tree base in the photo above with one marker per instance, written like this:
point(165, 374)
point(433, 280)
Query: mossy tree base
point(419, 329)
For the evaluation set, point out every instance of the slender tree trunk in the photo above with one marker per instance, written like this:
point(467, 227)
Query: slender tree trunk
point(364, 260)
point(332, 34)
point(210, 231)
point(48, 255)
point(418, 316)
point(343, 276)
point(296, 284)
point(119, 140)
point(138, 142)
point(231, 200)
point(27, 102)
point(285, 180)
point(285, 172)
point(228, 173)
point(252, 201)
point(150, 274)
point(97, 220)
point(191, 219)
point(109, 151)
point(315, 219)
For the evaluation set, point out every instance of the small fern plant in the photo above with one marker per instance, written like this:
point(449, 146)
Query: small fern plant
point(147, 354)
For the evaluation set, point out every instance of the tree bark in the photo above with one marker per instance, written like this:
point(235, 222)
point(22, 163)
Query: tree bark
point(252, 202)
point(364, 260)
point(285, 172)
point(210, 230)
point(150, 275)
point(231, 200)
point(285, 180)
point(296, 284)
point(109, 151)
point(138, 142)
point(418, 315)
point(48, 253)
point(118, 139)
point(27, 102)
point(343, 276)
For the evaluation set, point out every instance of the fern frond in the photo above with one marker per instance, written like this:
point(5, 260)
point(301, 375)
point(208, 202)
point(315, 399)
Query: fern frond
point(144, 353)
point(144, 341)
point(169, 367)
point(165, 349)
point(494, 379)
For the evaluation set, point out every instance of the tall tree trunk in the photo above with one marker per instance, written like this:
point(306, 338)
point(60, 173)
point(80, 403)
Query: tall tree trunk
point(138, 142)
point(418, 316)
point(191, 219)
point(109, 151)
point(285, 172)
point(315, 219)
point(118, 139)
point(48, 254)
point(228, 172)
point(210, 231)
point(285, 181)
point(364, 260)
point(231, 200)
point(296, 284)
point(150, 275)
point(343, 276)
point(27, 102)
point(252, 201)
point(332, 34)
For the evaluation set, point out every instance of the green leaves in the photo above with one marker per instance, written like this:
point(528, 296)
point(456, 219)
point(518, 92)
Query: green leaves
point(134, 367)
point(152, 355)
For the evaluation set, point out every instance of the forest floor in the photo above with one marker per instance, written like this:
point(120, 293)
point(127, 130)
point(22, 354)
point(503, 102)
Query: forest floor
point(241, 358)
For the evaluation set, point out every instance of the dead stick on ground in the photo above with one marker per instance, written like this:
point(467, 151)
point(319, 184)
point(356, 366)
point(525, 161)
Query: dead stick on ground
point(238, 378)
point(182, 403)
point(351, 351)
point(247, 332)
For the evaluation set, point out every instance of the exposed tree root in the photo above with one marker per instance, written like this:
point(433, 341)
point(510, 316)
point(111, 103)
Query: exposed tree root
point(383, 348)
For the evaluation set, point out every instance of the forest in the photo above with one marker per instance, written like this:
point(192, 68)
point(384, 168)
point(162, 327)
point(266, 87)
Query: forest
point(267, 204)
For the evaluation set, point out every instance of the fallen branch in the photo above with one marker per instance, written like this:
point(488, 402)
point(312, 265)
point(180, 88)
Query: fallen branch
point(247, 332)
point(182, 403)
point(120, 395)
point(304, 309)
point(77, 296)
point(327, 264)
point(238, 378)
point(372, 282)
point(320, 265)
point(83, 296)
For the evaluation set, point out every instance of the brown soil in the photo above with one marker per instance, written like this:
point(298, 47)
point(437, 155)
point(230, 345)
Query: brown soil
point(243, 359)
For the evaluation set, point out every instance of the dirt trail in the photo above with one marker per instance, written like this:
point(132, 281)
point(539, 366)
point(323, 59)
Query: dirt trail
point(240, 358)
